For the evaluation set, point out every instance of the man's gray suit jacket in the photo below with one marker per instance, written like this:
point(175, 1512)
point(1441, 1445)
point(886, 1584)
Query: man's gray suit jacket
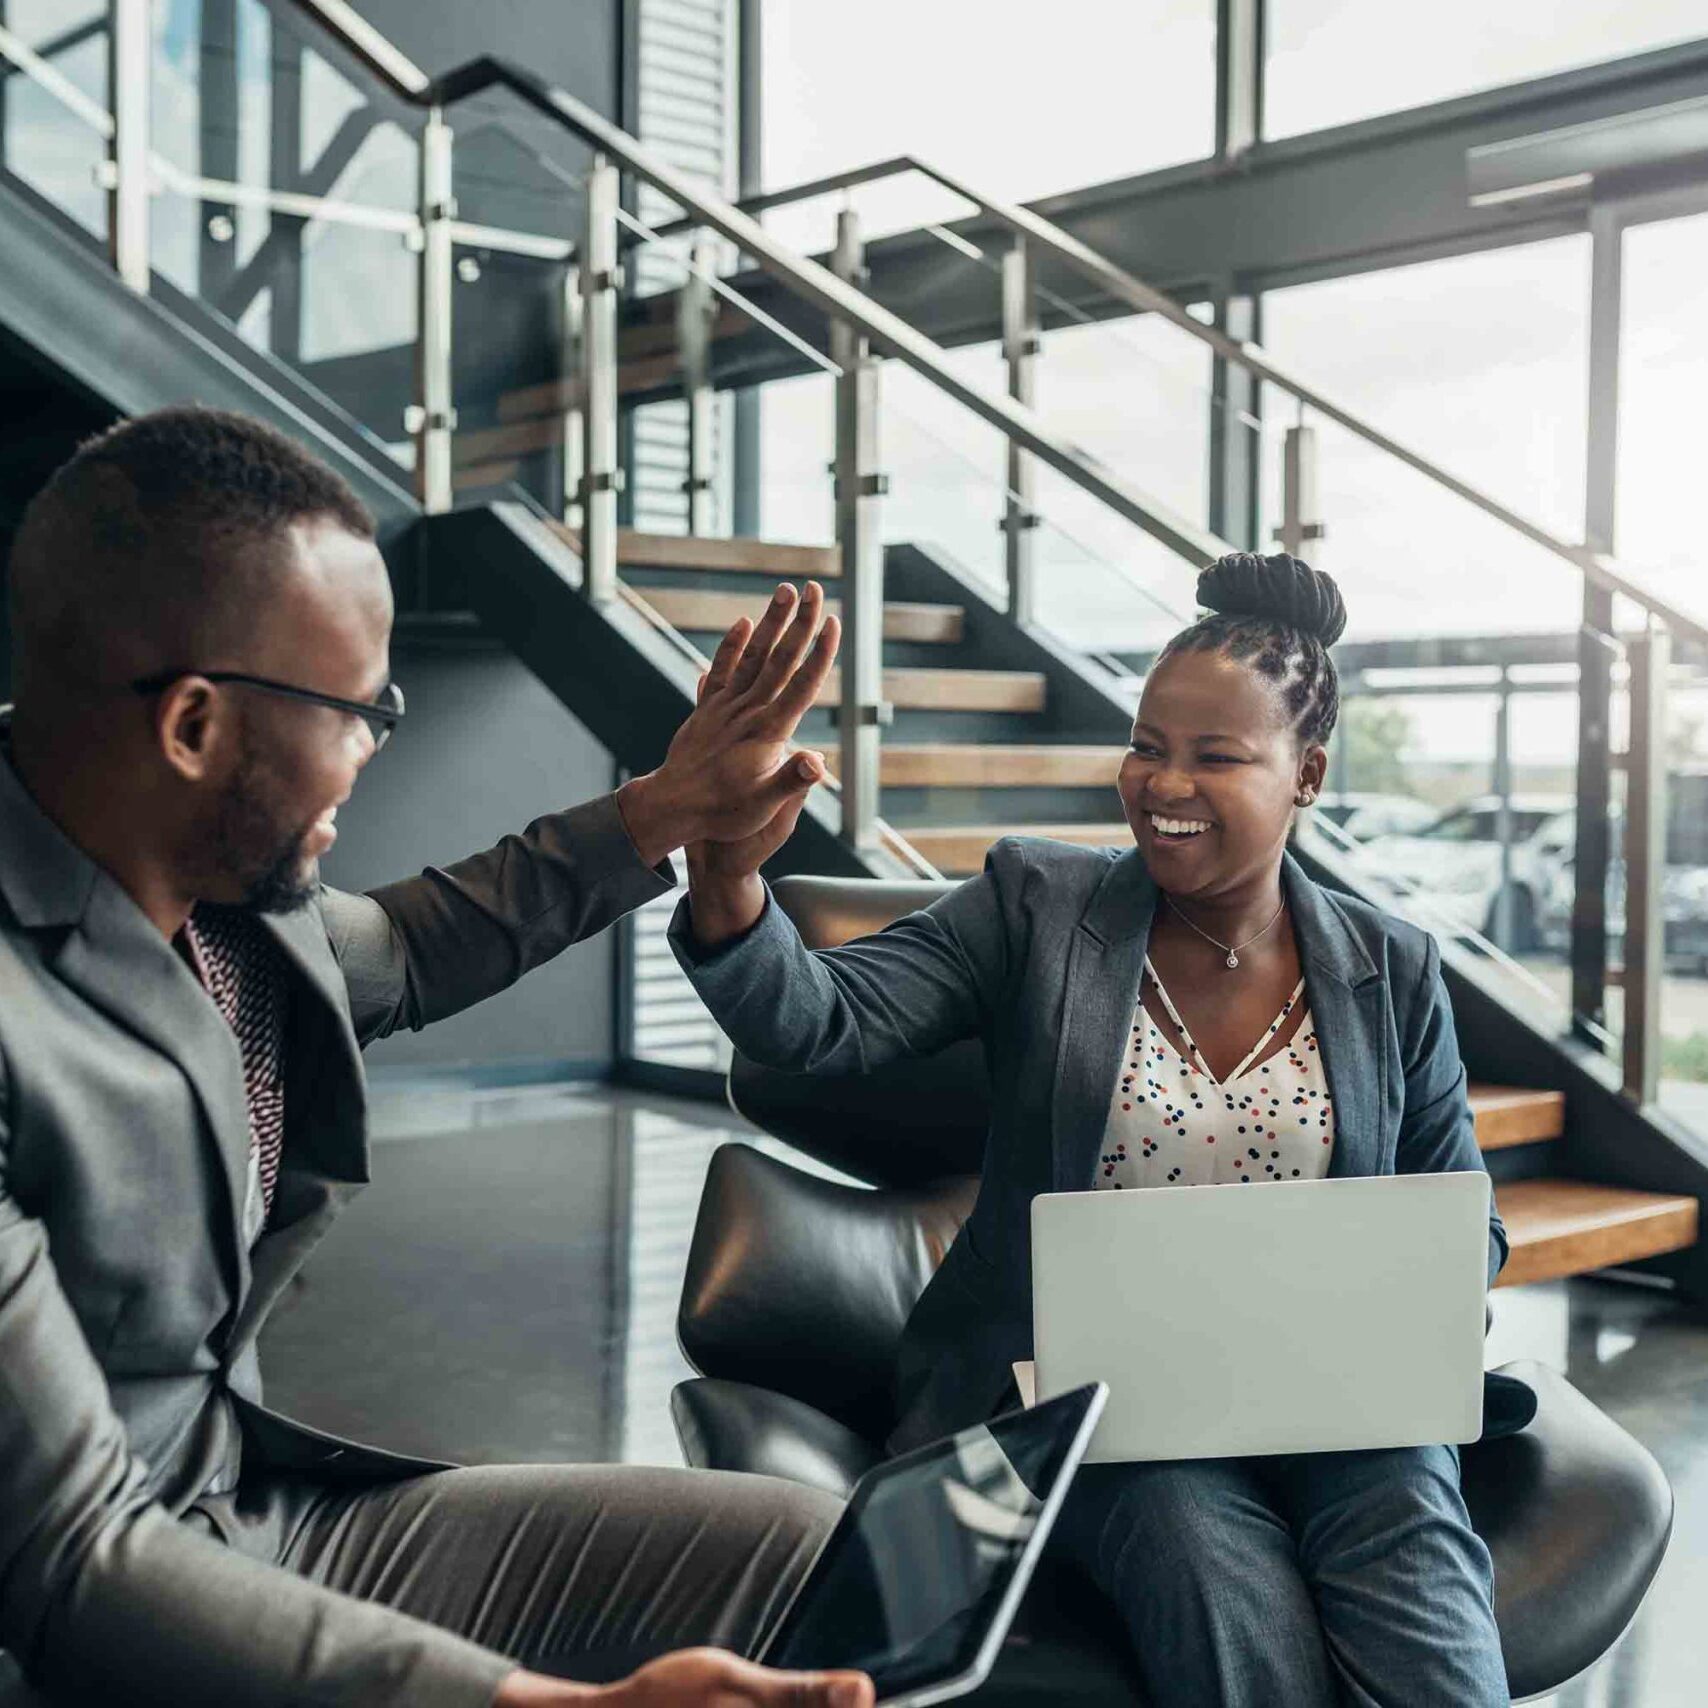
point(129, 1305)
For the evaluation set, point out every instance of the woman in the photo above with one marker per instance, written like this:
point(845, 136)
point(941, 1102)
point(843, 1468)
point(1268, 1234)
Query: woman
point(1193, 1010)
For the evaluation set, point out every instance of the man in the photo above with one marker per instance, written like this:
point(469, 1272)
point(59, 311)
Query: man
point(200, 625)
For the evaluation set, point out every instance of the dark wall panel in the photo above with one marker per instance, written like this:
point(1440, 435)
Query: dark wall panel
point(484, 750)
point(573, 42)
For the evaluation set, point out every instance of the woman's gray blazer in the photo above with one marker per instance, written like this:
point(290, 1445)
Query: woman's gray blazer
point(1040, 957)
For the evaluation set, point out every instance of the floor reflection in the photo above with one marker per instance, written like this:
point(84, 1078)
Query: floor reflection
point(507, 1288)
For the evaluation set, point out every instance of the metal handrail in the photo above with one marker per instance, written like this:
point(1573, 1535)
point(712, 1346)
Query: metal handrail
point(815, 284)
point(821, 288)
point(1601, 568)
point(1022, 425)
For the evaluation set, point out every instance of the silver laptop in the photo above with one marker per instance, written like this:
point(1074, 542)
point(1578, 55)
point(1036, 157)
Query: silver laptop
point(1292, 1317)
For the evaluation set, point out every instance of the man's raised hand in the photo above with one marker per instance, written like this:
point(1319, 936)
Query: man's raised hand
point(730, 775)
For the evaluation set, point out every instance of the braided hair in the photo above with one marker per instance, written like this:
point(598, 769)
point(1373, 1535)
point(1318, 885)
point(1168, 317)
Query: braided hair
point(1281, 616)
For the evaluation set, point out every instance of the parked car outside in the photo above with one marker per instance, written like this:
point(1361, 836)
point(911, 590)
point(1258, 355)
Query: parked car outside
point(1456, 861)
point(1365, 814)
point(1684, 880)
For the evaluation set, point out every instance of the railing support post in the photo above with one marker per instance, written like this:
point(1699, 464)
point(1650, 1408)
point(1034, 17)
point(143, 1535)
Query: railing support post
point(696, 305)
point(1021, 346)
point(434, 415)
point(601, 282)
point(574, 399)
point(1502, 922)
point(1300, 517)
point(1597, 650)
point(129, 45)
point(1650, 658)
point(860, 487)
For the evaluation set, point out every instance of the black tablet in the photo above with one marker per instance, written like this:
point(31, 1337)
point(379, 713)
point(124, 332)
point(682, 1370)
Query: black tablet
point(918, 1583)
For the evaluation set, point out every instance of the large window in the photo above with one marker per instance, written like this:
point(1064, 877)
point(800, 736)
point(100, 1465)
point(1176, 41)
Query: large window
point(1018, 104)
point(1663, 371)
point(1333, 61)
point(1480, 363)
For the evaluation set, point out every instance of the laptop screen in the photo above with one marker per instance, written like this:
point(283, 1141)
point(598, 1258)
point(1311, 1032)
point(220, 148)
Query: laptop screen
point(908, 1583)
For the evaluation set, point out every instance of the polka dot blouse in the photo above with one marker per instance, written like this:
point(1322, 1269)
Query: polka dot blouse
point(1172, 1123)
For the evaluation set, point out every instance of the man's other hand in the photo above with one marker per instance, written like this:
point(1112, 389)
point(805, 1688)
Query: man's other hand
point(694, 1678)
point(730, 774)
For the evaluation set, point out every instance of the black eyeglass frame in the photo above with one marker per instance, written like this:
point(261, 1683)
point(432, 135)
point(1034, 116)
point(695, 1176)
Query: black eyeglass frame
point(381, 716)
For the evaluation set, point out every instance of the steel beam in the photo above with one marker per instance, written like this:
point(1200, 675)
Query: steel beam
point(859, 494)
point(575, 398)
point(434, 415)
point(696, 309)
point(1596, 648)
point(129, 76)
point(1236, 404)
point(1645, 862)
point(1301, 517)
point(601, 283)
point(1021, 345)
point(1239, 77)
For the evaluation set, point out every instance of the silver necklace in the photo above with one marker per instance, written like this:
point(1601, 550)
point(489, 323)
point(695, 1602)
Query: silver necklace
point(1231, 950)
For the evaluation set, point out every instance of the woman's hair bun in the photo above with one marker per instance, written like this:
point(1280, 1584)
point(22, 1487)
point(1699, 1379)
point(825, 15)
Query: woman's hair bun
point(1279, 587)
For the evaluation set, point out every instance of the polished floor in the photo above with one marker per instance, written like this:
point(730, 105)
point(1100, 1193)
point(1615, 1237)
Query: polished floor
point(506, 1290)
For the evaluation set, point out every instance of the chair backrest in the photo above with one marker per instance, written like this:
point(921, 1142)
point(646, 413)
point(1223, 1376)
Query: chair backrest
point(802, 1284)
point(906, 1124)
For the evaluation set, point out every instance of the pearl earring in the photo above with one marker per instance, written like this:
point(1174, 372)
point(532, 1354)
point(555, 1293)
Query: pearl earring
point(1303, 798)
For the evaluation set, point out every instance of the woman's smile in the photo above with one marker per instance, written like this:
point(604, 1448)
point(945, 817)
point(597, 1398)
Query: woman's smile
point(1177, 828)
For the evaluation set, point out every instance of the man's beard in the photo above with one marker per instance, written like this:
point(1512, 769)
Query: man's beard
point(254, 852)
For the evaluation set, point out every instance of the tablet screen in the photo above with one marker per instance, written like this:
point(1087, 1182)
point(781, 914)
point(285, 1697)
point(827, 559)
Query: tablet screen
point(908, 1583)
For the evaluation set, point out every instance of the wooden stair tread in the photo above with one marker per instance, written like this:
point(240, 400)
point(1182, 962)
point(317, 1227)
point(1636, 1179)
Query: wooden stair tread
point(954, 690)
point(979, 765)
point(702, 611)
point(1508, 1115)
point(775, 558)
point(1565, 1227)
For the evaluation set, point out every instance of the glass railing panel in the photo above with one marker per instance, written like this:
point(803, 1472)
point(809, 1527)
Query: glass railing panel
point(54, 105)
point(1412, 557)
point(287, 202)
point(1479, 362)
point(797, 443)
point(945, 468)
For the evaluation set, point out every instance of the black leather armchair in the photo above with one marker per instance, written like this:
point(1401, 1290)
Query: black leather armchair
point(798, 1287)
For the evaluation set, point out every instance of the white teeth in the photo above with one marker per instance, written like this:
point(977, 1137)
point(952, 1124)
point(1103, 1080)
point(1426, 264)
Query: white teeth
point(1179, 826)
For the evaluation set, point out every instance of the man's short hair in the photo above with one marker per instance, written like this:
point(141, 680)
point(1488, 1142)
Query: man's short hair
point(158, 543)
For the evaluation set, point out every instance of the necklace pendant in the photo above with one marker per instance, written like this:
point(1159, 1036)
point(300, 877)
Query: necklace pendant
point(1233, 959)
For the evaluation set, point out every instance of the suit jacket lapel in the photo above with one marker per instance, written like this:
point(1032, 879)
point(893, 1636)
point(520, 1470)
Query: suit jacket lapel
point(1344, 989)
point(118, 960)
point(325, 1086)
point(1105, 964)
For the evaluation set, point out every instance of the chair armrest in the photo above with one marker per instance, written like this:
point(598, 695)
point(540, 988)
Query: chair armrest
point(1576, 1514)
point(734, 1426)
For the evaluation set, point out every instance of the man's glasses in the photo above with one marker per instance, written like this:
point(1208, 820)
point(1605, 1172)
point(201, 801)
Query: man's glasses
point(381, 716)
